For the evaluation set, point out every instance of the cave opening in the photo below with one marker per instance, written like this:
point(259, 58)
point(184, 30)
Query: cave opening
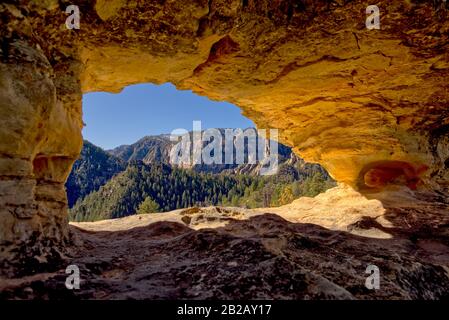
point(126, 165)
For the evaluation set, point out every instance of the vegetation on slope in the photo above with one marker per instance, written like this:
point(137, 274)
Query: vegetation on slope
point(172, 188)
point(93, 169)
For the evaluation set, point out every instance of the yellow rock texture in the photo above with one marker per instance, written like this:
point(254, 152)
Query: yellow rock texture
point(342, 95)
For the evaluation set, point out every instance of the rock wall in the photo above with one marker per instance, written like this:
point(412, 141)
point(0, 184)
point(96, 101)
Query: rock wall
point(357, 101)
point(40, 137)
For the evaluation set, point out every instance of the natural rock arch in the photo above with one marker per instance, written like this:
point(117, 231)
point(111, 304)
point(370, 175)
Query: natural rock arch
point(342, 95)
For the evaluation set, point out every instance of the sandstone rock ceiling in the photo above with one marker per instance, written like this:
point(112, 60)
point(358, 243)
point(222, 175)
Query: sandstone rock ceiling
point(343, 96)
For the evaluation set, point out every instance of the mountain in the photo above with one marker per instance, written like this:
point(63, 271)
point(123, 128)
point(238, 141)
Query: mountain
point(157, 149)
point(93, 169)
point(149, 149)
point(123, 190)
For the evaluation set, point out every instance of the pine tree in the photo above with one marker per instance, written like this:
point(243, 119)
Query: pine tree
point(148, 206)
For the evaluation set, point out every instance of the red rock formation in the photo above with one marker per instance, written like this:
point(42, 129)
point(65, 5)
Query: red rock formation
point(341, 95)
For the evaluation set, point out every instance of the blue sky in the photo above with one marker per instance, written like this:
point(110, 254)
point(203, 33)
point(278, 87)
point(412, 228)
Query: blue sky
point(146, 109)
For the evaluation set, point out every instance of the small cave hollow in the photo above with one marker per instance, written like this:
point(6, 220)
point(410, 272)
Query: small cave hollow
point(377, 175)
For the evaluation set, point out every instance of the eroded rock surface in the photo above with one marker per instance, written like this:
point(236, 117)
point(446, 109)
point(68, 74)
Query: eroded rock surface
point(233, 253)
point(343, 96)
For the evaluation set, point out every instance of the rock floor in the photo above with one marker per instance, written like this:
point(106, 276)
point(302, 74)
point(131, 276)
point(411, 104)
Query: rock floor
point(315, 248)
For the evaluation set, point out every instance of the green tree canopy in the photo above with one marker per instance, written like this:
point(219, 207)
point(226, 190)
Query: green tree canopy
point(148, 206)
